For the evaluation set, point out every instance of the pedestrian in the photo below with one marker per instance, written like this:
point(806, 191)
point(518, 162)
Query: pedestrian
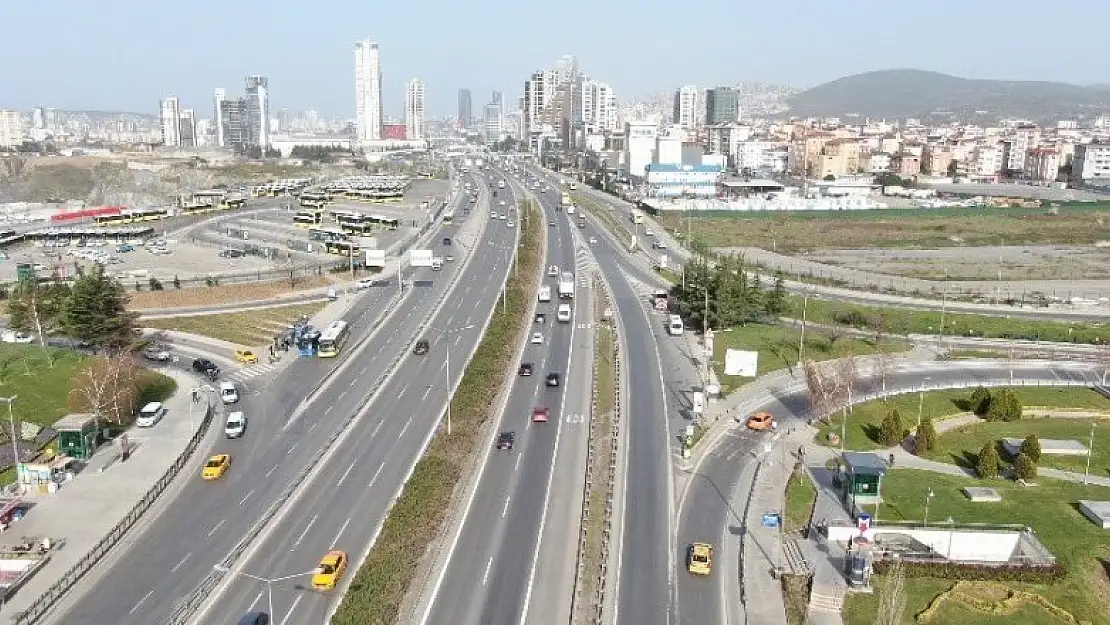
point(892, 460)
point(801, 452)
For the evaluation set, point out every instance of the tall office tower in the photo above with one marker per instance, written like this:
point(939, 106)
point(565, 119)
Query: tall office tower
point(466, 112)
point(414, 110)
point(235, 120)
point(11, 129)
point(686, 106)
point(494, 127)
point(258, 110)
point(283, 121)
point(38, 119)
point(171, 126)
point(187, 128)
point(217, 116)
point(722, 105)
point(496, 99)
point(368, 91)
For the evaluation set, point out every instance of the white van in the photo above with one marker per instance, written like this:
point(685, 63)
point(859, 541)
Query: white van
point(563, 313)
point(228, 393)
point(545, 293)
point(236, 425)
point(150, 415)
point(674, 325)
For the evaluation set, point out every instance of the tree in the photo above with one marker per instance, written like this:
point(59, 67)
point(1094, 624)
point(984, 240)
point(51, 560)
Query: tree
point(829, 178)
point(108, 386)
point(980, 401)
point(1004, 406)
point(890, 433)
point(37, 307)
point(774, 305)
point(1024, 468)
point(892, 596)
point(987, 462)
point(1031, 447)
point(925, 438)
point(96, 310)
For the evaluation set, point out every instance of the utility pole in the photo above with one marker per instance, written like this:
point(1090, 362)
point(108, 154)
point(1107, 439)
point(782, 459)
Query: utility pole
point(802, 338)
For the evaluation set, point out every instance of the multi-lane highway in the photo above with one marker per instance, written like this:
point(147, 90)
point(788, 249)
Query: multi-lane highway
point(707, 511)
point(492, 576)
point(348, 497)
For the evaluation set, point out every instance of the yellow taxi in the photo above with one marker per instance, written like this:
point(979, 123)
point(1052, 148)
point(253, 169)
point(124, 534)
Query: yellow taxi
point(216, 466)
point(699, 559)
point(331, 570)
point(246, 356)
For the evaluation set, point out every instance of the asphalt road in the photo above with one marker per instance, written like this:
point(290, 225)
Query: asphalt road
point(708, 511)
point(491, 574)
point(206, 520)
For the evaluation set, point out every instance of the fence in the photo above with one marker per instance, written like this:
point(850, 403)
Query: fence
point(69, 579)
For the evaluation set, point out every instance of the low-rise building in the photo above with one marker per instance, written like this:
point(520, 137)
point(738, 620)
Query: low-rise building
point(1042, 164)
point(671, 181)
point(1092, 162)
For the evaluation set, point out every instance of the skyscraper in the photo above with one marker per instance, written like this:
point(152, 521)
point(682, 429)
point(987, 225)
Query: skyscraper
point(171, 126)
point(368, 91)
point(496, 99)
point(187, 128)
point(414, 109)
point(217, 117)
point(466, 112)
point(686, 106)
point(722, 105)
point(235, 121)
point(258, 110)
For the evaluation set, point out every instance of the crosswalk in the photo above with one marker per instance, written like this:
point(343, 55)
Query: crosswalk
point(250, 372)
point(584, 266)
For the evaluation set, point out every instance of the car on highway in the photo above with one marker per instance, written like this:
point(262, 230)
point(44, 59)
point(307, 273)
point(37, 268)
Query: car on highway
point(332, 567)
point(593, 240)
point(150, 414)
point(421, 347)
point(510, 224)
point(254, 618)
point(246, 356)
point(552, 379)
point(502, 202)
point(553, 271)
point(236, 425)
point(447, 240)
point(525, 369)
point(541, 318)
point(537, 338)
point(505, 441)
point(501, 215)
point(551, 224)
point(216, 466)
point(562, 314)
point(228, 393)
point(364, 283)
point(761, 421)
point(493, 214)
point(540, 414)
point(699, 558)
point(659, 245)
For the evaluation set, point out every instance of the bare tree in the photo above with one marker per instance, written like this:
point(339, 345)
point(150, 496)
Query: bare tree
point(107, 387)
point(892, 597)
point(883, 365)
point(822, 390)
point(847, 377)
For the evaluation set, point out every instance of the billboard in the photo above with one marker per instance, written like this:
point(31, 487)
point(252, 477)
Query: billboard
point(741, 362)
point(420, 258)
point(375, 258)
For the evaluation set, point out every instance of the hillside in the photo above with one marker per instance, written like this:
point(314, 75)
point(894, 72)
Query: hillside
point(914, 93)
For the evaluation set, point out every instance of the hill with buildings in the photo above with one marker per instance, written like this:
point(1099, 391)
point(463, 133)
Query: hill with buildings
point(902, 93)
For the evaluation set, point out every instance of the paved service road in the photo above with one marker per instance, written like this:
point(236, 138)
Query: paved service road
point(345, 504)
point(202, 525)
point(493, 570)
point(707, 510)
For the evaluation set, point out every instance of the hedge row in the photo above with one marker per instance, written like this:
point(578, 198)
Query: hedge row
point(379, 586)
point(979, 572)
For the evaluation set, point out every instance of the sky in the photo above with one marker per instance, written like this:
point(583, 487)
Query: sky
point(126, 55)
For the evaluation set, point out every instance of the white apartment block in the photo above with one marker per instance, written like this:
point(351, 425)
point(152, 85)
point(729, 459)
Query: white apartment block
point(1025, 138)
point(986, 162)
point(11, 129)
point(686, 101)
point(368, 91)
point(414, 110)
point(639, 146)
point(218, 96)
point(755, 156)
point(1091, 162)
point(599, 106)
point(171, 122)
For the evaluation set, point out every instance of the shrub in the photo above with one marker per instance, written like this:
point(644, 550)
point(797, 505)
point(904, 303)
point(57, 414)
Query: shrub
point(1031, 447)
point(980, 401)
point(978, 572)
point(890, 433)
point(1024, 467)
point(987, 462)
point(925, 438)
point(1004, 406)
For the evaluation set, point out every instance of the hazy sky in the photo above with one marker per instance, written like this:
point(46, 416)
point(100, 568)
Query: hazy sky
point(128, 54)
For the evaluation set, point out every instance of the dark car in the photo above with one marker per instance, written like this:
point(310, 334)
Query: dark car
point(421, 347)
point(206, 367)
point(447, 240)
point(505, 441)
point(525, 368)
point(541, 317)
point(552, 379)
point(254, 618)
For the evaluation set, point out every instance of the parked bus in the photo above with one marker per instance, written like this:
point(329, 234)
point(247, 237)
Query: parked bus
point(343, 248)
point(323, 234)
point(308, 218)
point(332, 339)
point(674, 325)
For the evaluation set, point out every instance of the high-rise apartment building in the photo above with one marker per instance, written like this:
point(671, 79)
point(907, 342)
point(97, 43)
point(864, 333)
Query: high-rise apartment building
point(497, 99)
point(187, 128)
point(368, 91)
point(414, 110)
point(11, 129)
point(599, 106)
point(494, 125)
point(258, 110)
point(466, 112)
point(722, 105)
point(38, 118)
point(171, 122)
point(235, 120)
point(218, 96)
point(686, 106)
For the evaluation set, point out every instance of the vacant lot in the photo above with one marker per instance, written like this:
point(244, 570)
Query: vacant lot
point(225, 293)
point(250, 328)
point(897, 228)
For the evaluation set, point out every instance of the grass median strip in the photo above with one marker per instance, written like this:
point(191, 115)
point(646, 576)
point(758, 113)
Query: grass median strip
point(249, 327)
point(416, 519)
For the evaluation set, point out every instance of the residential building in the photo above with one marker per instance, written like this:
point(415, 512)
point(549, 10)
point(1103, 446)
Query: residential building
point(722, 105)
point(639, 146)
point(368, 91)
point(11, 129)
point(1025, 138)
point(187, 128)
point(493, 120)
point(497, 99)
point(686, 106)
point(676, 181)
point(599, 106)
point(985, 165)
point(907, 164)
point(723, 139)
point(1043, 164)
point(875, 163)
point(414, 109)
point(465, 113)
point(838, 157)
point(1092, 163)
point(38, 118)
point(218, 97)
point(937, 160)
point(759, 156)
point(171, 124)
point(258, 110)
point(235, 119)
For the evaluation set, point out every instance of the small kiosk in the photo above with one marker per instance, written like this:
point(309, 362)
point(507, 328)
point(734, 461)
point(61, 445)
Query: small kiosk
point(861, 481)
point(79, 434)
point(45, 474)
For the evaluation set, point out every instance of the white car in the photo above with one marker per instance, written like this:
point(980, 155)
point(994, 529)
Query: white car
point(228, 393)
point(510, 224)
point(502, 202)
point(593, 240)
point(236, 425)
point(493, 215)
point(501, 216)
point(537, 339)
point(150, 415)
point(365, 283)
point(553, 271)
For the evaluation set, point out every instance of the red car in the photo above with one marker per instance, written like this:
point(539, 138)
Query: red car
point(540, 414)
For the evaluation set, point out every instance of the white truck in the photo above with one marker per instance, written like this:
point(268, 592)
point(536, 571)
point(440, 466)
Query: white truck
point(545, 293)
point(566, 285)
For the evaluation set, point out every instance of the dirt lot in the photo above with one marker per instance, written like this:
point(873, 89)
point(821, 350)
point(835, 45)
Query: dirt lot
point(226, 293)
point(1034, 262)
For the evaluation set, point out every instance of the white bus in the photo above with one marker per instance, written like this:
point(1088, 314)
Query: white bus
point(674, 325)
point(332, 339)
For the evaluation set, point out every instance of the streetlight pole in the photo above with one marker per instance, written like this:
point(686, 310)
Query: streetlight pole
point(921, 401)
point(15, 446)
point(269, 584)
point(446, 334)
point(928, 498)
point(802, 339)
point(1090, 450)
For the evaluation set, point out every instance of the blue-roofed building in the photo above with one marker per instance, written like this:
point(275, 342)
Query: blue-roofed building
point(675, 181)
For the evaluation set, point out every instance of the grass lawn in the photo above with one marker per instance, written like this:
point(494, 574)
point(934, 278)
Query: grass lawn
point(250, 328)
point(778, 348)
point(1049, 508)
point(862, 428)
point(40, 378)
point(961, 446)
point(800, 495)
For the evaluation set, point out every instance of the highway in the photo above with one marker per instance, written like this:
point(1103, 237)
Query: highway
point(490, 577)
point(709, 512)
point(205, 521)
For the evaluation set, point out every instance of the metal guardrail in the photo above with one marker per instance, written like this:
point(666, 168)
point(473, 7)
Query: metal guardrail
point(69, 579)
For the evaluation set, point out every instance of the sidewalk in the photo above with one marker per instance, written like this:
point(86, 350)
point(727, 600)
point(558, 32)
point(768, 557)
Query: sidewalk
point(87, 508)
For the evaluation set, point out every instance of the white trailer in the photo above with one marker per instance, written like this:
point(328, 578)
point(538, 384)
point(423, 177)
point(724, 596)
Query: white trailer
point(566, 285)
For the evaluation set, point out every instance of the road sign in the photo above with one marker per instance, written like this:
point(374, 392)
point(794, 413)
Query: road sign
point(420, 258)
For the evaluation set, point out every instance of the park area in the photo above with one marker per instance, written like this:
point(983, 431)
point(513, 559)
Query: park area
point(250, 328)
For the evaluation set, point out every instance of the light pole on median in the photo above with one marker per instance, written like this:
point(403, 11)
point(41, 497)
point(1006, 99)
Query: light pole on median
point(269, 584)
point(446, 334)
point(11, 420)
point(921, 400)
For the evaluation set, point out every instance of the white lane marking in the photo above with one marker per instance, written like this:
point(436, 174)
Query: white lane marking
point(458, 337)
point(313, 426)
point(516, 465)
point(485, 576)
point(341, 530)
point(141, 602)
point(328, 409)
point(376, 474)
point(246, 497)
point(293, 446)
point(343, 477)
point(215, 529)
point(405, 429)
point(305, 532)
point(341, 395)
point(426, 391)
point(505, 510)
point(289, 613)
point(376, 428)
point(362, 371)
point(257, 598)
point(271, 471)
point(182, 563)
point(403, 389)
